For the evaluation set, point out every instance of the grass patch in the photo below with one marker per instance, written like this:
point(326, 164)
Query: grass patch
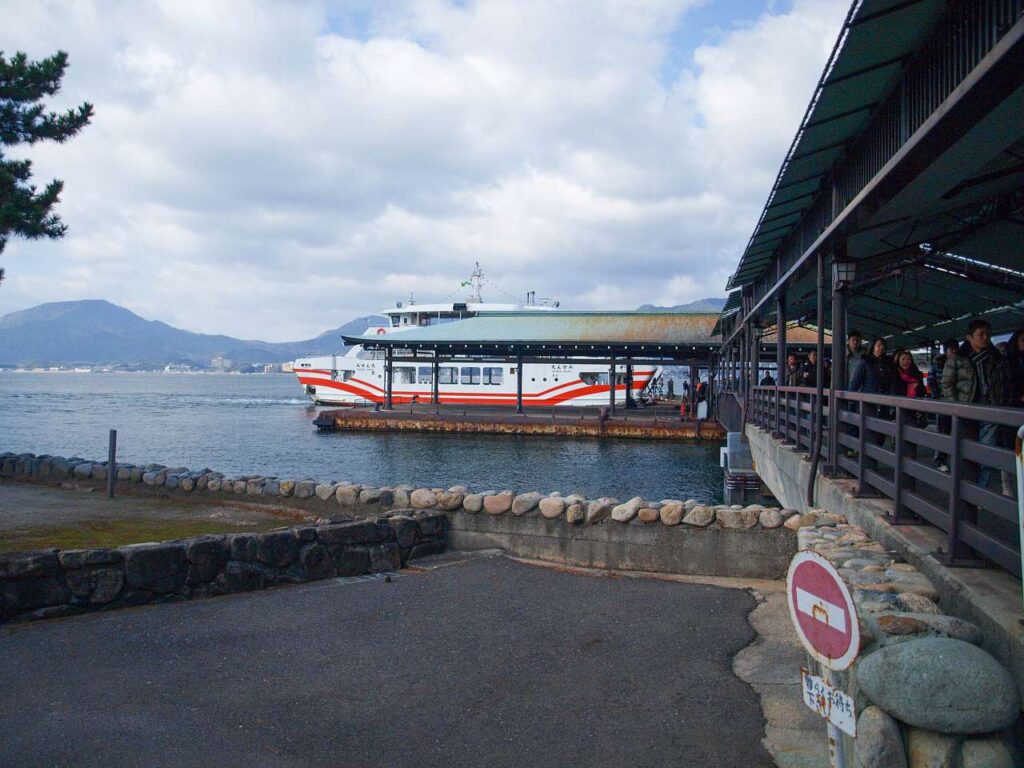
point(88, 534)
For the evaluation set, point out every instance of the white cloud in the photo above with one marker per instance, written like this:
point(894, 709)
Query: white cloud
point(252, 170)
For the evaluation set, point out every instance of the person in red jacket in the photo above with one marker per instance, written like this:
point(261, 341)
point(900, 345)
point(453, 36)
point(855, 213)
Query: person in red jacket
point(911, 380)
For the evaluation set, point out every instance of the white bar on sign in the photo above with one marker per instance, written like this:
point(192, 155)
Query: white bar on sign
point(821, 610)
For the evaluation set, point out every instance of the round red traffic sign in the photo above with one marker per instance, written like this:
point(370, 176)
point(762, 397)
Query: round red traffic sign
point(822, 611)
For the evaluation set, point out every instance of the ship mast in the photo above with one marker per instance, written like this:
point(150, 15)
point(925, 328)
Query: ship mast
point(475, 281)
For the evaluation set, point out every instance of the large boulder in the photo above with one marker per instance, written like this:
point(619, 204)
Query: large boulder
point(623, 513)
point(305, 489)
point(498, 503)
point(671, 512)
point(31, 564)
point(450, 500)
point(473, 503)
point(940, 684)
point(552, 507)
point(878, 743)
point(575, 513)
point(278, 548)
point(701, 516)
point(738, 519)
point(423, 498)
point(317, 562)
point(324, 491)
point(347, 495)
point(770, 518)
point(159, 568)
point(526, 502)
point(207, 554)
point(600, 509)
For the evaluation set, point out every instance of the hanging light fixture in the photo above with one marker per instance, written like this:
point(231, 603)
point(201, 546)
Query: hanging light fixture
point(843, 274)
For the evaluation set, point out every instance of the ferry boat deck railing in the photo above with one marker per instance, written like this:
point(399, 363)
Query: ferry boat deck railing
point(925, 456)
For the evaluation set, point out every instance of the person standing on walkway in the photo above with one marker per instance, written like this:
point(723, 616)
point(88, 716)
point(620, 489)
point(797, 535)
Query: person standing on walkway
point(1015, 369)
point(975, 375)
point(875, 373)
point(792, 370)
point(809, 371)
point(911, 381)
point(854, 352)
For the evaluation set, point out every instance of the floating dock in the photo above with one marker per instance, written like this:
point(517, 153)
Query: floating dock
point(651, 423)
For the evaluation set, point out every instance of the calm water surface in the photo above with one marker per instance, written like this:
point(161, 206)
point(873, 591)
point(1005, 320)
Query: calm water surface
point(263, 425)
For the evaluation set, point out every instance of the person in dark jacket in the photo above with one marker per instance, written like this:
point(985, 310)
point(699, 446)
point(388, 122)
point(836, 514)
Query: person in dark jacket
point(875, 374)
point(808, 374)
point(1015, 369)
point(976, 375)
point(792, 370)
point(854, 352)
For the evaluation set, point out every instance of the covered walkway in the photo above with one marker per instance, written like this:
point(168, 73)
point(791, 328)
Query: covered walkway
point(899, 212)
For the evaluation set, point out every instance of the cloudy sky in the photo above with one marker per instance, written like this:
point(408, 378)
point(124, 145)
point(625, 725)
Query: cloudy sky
point(273, 169)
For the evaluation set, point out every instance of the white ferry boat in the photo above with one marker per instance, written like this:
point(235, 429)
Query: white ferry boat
point(357, 378)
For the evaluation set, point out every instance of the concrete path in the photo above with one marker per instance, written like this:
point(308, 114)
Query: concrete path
point(488, 662)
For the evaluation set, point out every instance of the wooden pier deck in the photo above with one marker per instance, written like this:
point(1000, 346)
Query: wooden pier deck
point(660, 422)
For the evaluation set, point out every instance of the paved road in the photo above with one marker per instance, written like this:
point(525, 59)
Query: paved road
point(485, 663)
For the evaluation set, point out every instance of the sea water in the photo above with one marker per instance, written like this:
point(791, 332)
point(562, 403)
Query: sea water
point(263, 424)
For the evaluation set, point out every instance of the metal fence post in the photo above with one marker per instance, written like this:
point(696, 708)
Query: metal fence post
point(1019, 453)
point(861, 445)
point(111, 463)
point(953, 534)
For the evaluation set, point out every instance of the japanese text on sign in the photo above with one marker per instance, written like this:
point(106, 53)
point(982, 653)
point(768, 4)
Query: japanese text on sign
point(829, 702)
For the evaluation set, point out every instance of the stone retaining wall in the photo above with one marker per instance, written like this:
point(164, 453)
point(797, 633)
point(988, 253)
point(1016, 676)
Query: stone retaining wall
point(52, 582)
point(668, 536)
point(927, 695)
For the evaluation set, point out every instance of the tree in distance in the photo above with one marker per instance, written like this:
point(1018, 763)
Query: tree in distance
point(23, 120)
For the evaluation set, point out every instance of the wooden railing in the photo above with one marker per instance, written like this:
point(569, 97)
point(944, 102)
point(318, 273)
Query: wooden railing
point(927, 456)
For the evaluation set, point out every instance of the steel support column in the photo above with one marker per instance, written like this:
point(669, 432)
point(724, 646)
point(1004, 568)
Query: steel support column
point(389, 376)
point(435, 382)
point(611, 384)
point(819, 390)
point(519, 383)
point(630, 403)
point(840, 296)
point(780, 339)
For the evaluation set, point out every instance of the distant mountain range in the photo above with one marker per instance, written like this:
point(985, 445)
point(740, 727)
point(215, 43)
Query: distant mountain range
point(96, 332)
point(700, 305)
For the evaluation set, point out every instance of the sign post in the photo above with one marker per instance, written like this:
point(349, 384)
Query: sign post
point(825, 619)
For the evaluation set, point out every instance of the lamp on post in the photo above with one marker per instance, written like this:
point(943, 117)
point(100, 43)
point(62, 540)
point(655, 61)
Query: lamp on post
point(843, 274)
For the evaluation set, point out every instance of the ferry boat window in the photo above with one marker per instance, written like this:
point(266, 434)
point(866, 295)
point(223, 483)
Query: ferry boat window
point(424, 375)
point(592, 379)
point(405, 374)
point(493, 375)
point(447, 375)
point(470, 375)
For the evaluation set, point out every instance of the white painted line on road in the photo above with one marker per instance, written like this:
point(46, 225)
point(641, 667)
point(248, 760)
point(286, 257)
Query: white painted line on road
point(821, 610)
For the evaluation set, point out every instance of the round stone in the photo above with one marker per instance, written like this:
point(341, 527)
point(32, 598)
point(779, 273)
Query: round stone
point(878, 743)
point(552, 507)
point(498, 503)
point(671, 512)
point(940, 684)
